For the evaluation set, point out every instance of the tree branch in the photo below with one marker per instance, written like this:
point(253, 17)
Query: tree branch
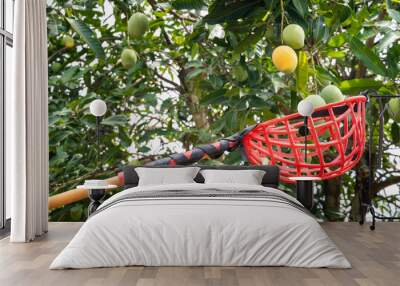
point(377, 187)
point(181, 17)
point(177, 86)
point(56, 53)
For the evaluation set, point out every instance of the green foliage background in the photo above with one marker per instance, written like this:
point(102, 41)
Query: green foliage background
point(191, 88)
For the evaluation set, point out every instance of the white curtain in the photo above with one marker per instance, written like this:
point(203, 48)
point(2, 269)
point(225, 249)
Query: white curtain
point(27, 122)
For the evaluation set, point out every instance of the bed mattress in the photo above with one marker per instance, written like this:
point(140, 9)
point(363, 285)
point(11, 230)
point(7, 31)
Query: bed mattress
point(201, 225)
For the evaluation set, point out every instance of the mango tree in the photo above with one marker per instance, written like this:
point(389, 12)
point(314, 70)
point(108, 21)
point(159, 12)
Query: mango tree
point(201, 70)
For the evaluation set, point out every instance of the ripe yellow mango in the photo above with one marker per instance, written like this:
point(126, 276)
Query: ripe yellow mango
point(284, 59)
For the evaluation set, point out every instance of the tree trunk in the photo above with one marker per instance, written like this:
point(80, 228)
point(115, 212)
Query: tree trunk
point(331, 189)
point(192, 94)
point(360, 188)
point(199, 113)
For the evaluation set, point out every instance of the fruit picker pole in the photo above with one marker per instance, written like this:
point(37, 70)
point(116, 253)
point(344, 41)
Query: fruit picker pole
point(213, 150)
point(75, 195)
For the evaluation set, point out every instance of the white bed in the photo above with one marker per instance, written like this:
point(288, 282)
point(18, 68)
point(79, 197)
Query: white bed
point(269, 230)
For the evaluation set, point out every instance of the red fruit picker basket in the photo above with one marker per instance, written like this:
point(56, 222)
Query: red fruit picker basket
point(335, 142)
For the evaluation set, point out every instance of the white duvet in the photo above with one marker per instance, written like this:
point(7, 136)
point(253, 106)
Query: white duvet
point(200, 231)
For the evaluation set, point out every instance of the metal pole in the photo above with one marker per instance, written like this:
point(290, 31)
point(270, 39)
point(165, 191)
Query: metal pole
point(305, 138)
point(371, 172)
point(370, 146)
point(98, 119)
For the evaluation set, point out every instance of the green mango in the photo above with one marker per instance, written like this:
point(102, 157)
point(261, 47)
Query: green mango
point(128, 58)
point(68, 42)
point(331, 93)
point(293, 36)
point(394, 109)
point(316, 100)
point(240, 73)
point(138, 24)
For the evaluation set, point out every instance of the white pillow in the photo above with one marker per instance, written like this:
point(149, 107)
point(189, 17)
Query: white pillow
point(166, 176)
point(248, 177)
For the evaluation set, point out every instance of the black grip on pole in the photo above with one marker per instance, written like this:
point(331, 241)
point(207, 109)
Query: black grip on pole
point(213, 150)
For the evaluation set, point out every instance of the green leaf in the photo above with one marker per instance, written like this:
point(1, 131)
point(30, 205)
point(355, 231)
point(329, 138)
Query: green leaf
point(215, 81)
point(336, 54)
point(115, 120)
point(325, 76)
point(150, 99)
point(393, 59)
point(301, 7)
point(52, 26)
point(69, 74)
point(88, 36)
point(221, 11)
point(188, 4)
point(320, 31)
point(359, 84)
point(194, 73)
point(337, 40)
point(144, 149)
point(250, 40)
point(302, 73)
point(216, 97)
point(342, 12)
point(367, 56)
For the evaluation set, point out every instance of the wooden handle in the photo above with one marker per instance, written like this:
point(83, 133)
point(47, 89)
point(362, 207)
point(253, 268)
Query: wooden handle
point(75, 195)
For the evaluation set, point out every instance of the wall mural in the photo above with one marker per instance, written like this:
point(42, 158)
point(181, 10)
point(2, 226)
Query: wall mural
point(178, 74)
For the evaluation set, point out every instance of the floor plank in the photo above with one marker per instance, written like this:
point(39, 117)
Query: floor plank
point(375, 257)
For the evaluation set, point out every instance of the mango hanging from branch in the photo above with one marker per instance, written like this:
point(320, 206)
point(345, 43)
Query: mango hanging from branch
point(284, 59)
point(394, 109)
point(240, 73)
point(128, 58)
point(138, 25)
point(68, 42)
point(293, 36)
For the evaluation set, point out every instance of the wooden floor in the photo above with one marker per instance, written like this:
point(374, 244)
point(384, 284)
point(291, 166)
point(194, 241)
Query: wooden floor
point(375, 257)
